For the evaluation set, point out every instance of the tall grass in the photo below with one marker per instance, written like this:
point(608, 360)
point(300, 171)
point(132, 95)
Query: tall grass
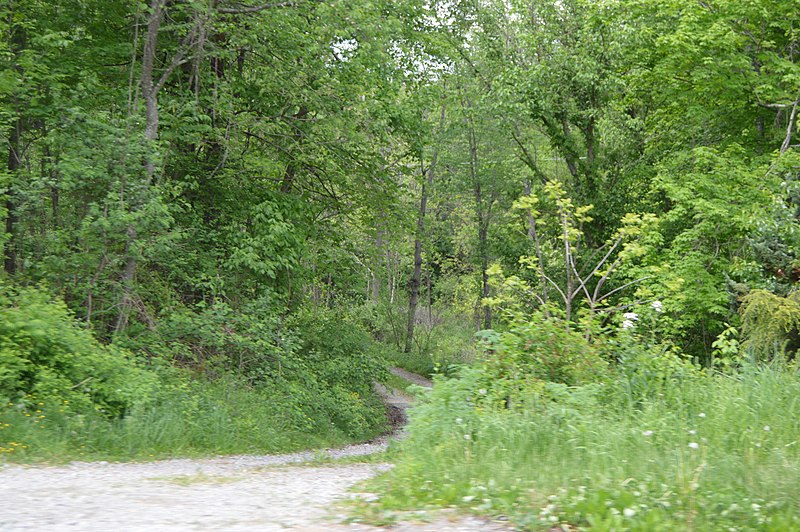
point(721, 452)
point(221, 417)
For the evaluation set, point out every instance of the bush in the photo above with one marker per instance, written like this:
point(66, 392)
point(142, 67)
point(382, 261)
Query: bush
point(540, 350)
point(241, 383)
point(45, 356)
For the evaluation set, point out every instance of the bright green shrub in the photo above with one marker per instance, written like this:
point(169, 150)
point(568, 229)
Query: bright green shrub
point(317, 364)
point(540, 350)
point(770, 323)
point(46, 356)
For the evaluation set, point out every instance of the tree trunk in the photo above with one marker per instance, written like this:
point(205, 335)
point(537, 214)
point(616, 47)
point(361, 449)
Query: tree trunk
point(14, 164)
point(482, 219)
point(297, 136)
point(150, 90)
point(17, 45)
point(374, 273)
point(415, 278)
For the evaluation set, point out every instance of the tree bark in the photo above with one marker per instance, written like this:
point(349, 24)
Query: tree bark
point(374, 273)
point(417, 275)
point(483, 214)
point(150, 90)
point(14, 163)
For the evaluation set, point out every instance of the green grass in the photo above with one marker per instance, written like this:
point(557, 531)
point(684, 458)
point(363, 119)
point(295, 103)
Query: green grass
point(210, 418)
point(717, 453)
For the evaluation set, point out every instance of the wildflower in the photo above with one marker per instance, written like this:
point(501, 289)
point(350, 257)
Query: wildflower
point(647, 433)
point(467, 437)
point(658, 306)
point(627, 324)
point(766, 428)
point(692, 432)
point(628, 512)
point(459, 421)
point(632, 316)
point(701, 414)
point(482, 391)
point(694, 445)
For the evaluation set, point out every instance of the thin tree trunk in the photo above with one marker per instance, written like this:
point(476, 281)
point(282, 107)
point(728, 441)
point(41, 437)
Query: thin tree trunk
point(14, 164)
point(415, 278)
point(483, 221)
point(374, 273)
point(533, 235)
point(291, 168)
point(150, 90)
point(17, 45)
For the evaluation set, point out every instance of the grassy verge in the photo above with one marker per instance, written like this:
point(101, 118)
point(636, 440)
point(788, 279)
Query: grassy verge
point(223, 417)
point(721, 452)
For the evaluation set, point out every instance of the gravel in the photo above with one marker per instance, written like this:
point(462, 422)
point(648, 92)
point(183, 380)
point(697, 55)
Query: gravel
point(232, 493)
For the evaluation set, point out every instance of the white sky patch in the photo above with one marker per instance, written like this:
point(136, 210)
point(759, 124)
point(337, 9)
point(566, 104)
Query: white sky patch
point(418, 64)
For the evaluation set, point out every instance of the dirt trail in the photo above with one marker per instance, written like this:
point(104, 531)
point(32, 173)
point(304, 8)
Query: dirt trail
point(235, 493)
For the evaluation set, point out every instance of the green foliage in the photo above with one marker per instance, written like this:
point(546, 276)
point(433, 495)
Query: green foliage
point(717, 454)
point(46, 356)
point(770, 323)
point(540, 349)
point(65, 395)
point(188, 417)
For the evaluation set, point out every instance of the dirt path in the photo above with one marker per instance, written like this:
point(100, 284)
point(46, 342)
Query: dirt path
point(419, 380)
point(237, 493)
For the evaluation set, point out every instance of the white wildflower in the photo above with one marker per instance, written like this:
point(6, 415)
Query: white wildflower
point(631, 316)
point(701, 414)
point(766, 428)
point(459, 421)
point(467, 437)
point(628, 512)
point(482, 391)
point(658, 306)
point(692, 432)
point(694, 445)
point(627, 324)
point(647, 433)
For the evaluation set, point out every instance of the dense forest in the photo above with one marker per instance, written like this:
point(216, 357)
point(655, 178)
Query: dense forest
point(225, 219)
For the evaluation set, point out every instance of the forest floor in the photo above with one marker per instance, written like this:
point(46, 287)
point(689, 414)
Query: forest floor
point(299, 491)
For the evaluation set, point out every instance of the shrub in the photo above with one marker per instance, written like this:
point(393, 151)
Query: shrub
point(543, 349)
point(46, 356)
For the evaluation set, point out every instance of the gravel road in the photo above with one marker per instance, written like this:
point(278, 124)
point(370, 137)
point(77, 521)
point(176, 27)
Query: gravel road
point(234, 493)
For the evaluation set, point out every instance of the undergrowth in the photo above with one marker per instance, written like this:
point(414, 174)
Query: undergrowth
point(650, 443)
point(64, 395)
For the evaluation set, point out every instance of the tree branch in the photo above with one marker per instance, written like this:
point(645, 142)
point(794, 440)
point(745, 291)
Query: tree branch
point(788, 140)
point(242, 10)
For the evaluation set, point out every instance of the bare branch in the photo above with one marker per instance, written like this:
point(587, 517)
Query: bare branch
point(180, 56)
point(604, 278)
point(788, 140)
point(623, 287)
point(563, 295)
